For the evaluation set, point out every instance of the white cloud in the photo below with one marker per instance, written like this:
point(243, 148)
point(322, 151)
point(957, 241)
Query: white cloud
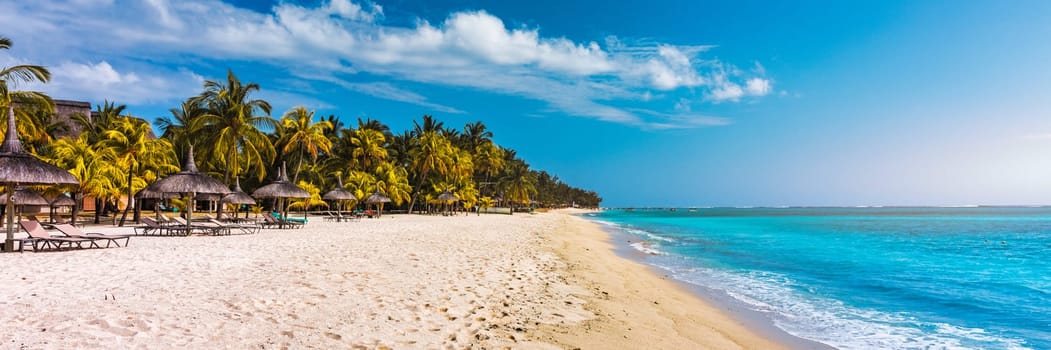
point(352, 11)
point(757, 87)
point(100, 81)
point(390, 92)
point(726, 92)
point(472, 49)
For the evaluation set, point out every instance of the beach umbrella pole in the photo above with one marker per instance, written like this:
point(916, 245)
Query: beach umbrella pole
point(189, 211)
point(9, 244)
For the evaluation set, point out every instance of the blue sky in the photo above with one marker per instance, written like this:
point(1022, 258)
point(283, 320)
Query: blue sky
point(656, 103)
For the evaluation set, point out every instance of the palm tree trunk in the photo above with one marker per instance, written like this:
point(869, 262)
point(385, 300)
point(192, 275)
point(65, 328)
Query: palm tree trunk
point(99, 206)
point(138, 211)
point(416, 193)
point(76, 208)
point(299, 166)
point(131, 199)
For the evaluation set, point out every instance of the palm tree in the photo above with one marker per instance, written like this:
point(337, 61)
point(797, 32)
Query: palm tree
point(176, 128)
point(518, 182)
point(433, 153)
point(393, 181)
point(368, 147)
point(361, 184)
point(101, 120)
point(93, 168)
point(232, 128)
point(138, 154)
point(429, 124)
point(475, 135)
point(373, 124)
point(307, 203)
point(337, 125)
point(10, 78)
point(489, 160)
point(303, 136)
point(399, 149)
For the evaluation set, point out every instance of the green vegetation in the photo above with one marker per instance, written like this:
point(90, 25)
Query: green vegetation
point(234, 136)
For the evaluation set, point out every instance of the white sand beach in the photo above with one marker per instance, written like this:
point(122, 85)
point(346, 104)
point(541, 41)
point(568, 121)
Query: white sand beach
point(402, 281)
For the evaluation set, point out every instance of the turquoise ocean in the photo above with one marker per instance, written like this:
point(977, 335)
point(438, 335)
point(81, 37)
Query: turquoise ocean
point(864, 278)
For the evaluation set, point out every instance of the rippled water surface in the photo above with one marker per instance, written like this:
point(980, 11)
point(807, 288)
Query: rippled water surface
point(867, 278)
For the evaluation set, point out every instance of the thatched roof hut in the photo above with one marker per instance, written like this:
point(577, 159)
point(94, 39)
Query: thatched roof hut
point(25, 196)
point(19, 168)
point(281, 188)
point(338, 193)
point(238, 196)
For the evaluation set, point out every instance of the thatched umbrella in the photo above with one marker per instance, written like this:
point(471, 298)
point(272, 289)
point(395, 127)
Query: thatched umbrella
point(150, 193)
point(60, 201)
point(19, 168)
point(281, 189)
point(378, 199)
point(339, 194)
point(189, 181)
point(23, 197)
point(447, 197)
point(238, 197)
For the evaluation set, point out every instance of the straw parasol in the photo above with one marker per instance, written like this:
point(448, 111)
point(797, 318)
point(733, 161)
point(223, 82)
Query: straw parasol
point(447, 197)
point(191, 182)
point(238, 196)
point(25, 196)
point(378, 199)
point(339, 194)
point(61, 200)
point(281, 189)
point(19, 168)
point(149, 193)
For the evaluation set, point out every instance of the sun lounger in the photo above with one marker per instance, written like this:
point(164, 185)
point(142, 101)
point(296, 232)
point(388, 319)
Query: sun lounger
point(243, 228)
point(71, 231)
point(205, 228)
point(227, 218)
point(272, 220)
point(151, 226)
point(294, 220)
point(42, 237)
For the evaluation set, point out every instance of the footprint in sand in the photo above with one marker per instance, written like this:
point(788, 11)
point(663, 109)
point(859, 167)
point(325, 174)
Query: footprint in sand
point(333, 336)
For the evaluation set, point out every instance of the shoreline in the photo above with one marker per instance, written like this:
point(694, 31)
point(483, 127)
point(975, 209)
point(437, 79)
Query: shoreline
point(545, 281)
point(635, 306)
point(752, 319)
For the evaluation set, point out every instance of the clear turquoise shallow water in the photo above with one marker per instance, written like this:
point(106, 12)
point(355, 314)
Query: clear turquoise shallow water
point(866, 278)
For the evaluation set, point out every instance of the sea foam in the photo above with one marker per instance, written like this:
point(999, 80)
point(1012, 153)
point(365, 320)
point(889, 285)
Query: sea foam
point(830, 321)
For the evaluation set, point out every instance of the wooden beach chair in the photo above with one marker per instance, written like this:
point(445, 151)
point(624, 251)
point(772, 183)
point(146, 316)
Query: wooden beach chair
point(41, 236)
point(208, 228)
point(227, 218)
point(71, 231)
point(276, 220)
point(150, 226)
point(243, 228)
point(270, 220)
point(291, 220)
